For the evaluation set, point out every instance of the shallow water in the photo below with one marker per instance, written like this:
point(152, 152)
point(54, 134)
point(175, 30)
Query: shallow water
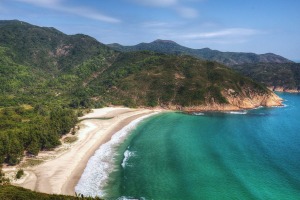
point(239, 155)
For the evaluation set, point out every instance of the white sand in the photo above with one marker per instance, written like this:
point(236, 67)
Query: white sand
point(61, 174)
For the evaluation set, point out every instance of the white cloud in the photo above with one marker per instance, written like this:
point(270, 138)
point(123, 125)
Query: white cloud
point(158, 25)
point(42, 3)
point(232, 32)
point(220, 41)
point(176, 5)
point(185, 33)
point(79, 11)
point(88, 13)
point(187, 12)
point(155, 24)
point(158, 3)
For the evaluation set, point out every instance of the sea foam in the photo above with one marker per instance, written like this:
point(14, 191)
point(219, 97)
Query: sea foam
point(127, 154)
point(198, 113)
point(237, 112)
point(102, 163)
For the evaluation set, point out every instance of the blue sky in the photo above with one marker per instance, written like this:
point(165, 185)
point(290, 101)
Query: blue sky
point(259, 26)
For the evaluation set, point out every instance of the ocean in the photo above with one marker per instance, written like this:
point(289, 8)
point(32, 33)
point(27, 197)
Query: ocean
point(252, 154)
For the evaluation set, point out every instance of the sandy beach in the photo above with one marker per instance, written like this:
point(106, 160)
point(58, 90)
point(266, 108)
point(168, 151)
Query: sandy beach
point(60, 174)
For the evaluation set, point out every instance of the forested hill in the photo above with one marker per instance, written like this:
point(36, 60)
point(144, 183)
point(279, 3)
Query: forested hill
point(36, 87)
point(38, 64)
point(279, 77)
point(47, 77)
point(47, 48)
point(226, 58)
point(272, 70)
point(182, 82)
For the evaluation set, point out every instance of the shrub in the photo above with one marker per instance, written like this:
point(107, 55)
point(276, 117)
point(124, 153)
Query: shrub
point(20, 173)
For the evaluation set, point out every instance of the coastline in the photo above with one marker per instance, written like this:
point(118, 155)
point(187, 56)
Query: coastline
point(96, 174)
point(62, 169)
point(61, 174)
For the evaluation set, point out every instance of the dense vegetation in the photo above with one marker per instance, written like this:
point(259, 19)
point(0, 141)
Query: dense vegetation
point(276, 75)
point(269, 69)
point(152, 79)
point(37, 86)
point(24, 128)
point(46, 48)
point(226, 58)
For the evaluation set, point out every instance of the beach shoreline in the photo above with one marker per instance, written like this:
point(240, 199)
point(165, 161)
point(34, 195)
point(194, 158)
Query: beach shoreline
point(61, 174)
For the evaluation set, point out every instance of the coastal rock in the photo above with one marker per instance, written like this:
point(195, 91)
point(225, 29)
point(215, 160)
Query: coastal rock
point(253, 100)
point(283, 89)
point(235, 102)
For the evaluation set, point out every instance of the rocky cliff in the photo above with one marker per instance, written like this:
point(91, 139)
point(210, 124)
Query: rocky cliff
point(235, 102)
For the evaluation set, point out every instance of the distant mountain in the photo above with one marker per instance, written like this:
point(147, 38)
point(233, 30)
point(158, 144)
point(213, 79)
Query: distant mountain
point(226, 58)
point(277, 76)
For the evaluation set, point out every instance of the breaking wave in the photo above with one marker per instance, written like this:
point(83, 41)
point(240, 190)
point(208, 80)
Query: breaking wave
point(102, 163)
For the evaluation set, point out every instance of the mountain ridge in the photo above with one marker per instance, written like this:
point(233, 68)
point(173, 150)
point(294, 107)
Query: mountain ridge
point(47, 47)
point(227, 58)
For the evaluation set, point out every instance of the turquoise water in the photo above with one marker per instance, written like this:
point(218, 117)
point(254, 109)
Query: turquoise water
point(246, 155)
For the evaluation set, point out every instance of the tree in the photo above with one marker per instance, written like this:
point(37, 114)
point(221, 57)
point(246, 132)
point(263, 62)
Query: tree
point(20, 173)
point(15, 150)
point(34, 146)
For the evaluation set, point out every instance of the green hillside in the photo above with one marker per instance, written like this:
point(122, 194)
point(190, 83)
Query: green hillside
point(278, 76)
point(152, 79)
point(47, 48)
point(226, 58)
point(269, 69)
point(37, 63)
